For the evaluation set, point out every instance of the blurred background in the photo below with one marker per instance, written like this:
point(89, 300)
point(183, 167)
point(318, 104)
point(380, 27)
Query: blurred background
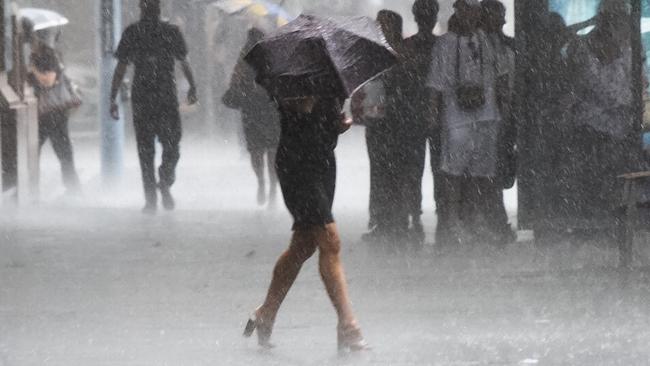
point(215, 39)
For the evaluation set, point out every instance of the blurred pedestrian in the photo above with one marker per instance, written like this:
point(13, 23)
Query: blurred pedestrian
point(376, 107)
point(552, 93)
point(154, 46)
point(417, 115)
point(605, 141)
point(307, 171)
point(260, 119)
point(52, 87)
point(494, 19)
point(465, 72)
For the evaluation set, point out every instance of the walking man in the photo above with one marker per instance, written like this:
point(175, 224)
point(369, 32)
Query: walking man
point(154, 46)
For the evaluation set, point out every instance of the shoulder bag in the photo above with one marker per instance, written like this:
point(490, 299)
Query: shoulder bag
point(470, 96)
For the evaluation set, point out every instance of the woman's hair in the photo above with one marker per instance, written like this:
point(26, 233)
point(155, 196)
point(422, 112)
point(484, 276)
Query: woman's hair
point(45, 59)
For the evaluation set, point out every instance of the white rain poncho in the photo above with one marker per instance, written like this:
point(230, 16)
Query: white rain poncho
point(469, 138)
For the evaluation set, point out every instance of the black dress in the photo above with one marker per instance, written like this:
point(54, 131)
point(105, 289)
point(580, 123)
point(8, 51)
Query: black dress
point(306, 163)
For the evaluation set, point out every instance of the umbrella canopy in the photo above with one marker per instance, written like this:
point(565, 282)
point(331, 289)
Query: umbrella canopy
point(317, 56)
point(261, 9)
point(42, 19)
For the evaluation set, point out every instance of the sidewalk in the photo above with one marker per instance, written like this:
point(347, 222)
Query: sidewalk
point(99, 284)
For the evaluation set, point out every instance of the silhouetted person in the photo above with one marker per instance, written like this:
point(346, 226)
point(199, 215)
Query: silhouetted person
point(46, 70)
point(465, 71)
point(259, 117)
point(154, 46)
point(552, 92)
point(494, 19)
point(307, 171)
point(377, 106)
point(417, 126)
point(604, 142)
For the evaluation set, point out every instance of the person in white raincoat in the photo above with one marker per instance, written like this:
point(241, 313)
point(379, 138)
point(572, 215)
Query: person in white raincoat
point(464, 75)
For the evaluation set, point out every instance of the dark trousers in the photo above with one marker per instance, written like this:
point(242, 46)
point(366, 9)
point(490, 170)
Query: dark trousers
point(54, 126)
point(414, 151)
point(387, 207)
point(590, 173)
point(164, 125)
point(474, 203)
point(439, 187)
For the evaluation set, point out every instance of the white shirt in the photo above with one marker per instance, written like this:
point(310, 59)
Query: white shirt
point(443, 76)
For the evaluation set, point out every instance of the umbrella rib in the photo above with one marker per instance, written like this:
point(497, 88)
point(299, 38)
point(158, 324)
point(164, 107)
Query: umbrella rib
point(338, 75)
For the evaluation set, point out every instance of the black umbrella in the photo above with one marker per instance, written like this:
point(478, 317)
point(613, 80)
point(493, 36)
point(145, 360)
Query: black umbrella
point(316, 56)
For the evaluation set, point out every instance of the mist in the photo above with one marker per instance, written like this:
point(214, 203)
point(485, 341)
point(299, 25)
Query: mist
point(88, 279)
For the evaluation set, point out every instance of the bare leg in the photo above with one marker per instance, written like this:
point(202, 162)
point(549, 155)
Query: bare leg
point(302, 247)
point(257, 161)
point(332, 273)
point(331, 270)
point(273, 176)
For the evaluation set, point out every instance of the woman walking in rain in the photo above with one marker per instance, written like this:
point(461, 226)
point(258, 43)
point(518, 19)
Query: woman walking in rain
point(45, 73)
point(306, 66)
point(260, 119)
point(307, 171)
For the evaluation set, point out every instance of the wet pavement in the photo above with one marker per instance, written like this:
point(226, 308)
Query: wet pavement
point(94, 282)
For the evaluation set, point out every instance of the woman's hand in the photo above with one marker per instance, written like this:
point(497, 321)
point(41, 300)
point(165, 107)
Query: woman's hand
point(356, 105)
point(344, 123)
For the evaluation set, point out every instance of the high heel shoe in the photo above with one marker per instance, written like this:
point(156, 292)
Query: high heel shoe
point(263, 328)
point(350, 339)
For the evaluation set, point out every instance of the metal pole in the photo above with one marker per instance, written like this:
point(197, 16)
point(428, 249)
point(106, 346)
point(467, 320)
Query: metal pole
point(627, 242)
point(112, 131)
point(5, 36)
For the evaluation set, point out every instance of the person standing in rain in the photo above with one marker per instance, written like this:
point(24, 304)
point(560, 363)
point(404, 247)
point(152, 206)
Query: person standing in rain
point(604, 142)
point(465, 75)
point(417, 114)
point(494, 19)
point(376, 107)
point(307, 171)
point(154, 46)
point(260, 118)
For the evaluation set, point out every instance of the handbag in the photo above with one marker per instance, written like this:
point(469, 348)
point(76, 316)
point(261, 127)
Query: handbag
point(61, 97)
point(470, 96)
